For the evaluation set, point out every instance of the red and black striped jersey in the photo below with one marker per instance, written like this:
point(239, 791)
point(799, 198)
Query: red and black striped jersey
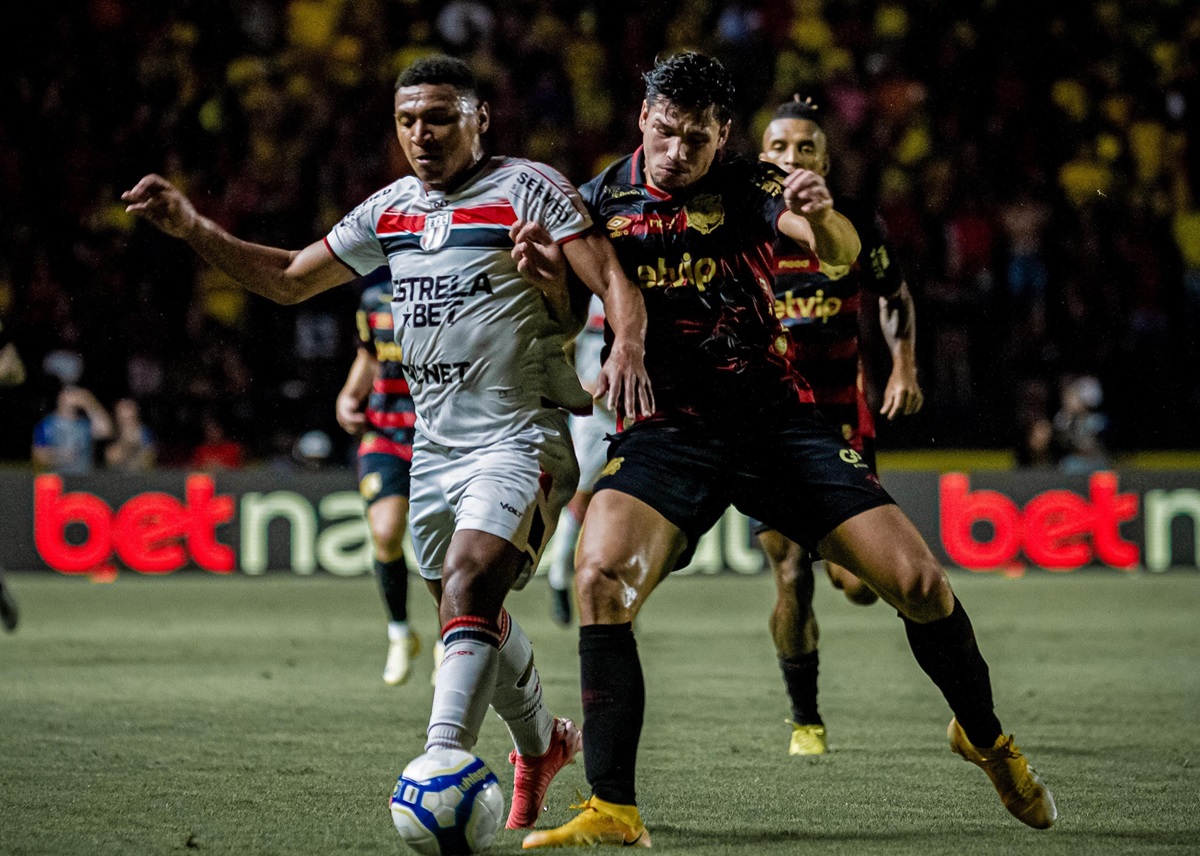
point(390, 413)
point(703, 260)
point(820, 308)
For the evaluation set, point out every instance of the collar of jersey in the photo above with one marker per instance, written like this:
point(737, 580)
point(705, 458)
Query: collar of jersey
point(462, 179)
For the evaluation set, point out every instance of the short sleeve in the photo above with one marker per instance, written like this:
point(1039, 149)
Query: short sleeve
point(540, 193)
point(354, 239)
point(763, 187)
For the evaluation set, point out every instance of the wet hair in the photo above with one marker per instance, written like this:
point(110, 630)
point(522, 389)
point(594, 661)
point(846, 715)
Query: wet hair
point(440, 69)
point(797, 109)
point(693, 82)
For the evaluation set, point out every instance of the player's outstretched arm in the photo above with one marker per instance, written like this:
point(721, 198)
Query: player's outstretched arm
point(623, 381)
point(810, 219)
point(349, 405)
point(284, 276)
point(541, 261)
point(898, 319)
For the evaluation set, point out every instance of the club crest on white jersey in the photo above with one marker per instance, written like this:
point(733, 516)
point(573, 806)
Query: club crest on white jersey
point(437, 229)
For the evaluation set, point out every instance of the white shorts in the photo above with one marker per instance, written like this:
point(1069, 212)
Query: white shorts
point(588, 434)
point(514, 490)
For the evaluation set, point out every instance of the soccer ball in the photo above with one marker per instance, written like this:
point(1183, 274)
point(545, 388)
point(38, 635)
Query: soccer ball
point(447, 802)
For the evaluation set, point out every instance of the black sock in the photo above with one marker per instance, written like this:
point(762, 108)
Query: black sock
point(946, 650)
point(614, 700)
point(800, 678)
point(393, 585)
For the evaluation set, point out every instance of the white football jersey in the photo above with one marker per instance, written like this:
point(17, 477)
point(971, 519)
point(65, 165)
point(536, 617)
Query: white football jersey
point(481, 354)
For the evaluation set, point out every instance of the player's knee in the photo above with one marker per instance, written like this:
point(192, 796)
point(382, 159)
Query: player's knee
point(925, 593)
point(603, 594)
point(389, 543)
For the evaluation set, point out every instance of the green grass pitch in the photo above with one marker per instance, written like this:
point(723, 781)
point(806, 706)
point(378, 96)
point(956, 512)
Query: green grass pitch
point(247, 716)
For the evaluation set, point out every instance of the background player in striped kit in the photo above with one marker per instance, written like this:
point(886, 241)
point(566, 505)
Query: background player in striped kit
point(475, 307)
point(375, 406)
point(822, 313)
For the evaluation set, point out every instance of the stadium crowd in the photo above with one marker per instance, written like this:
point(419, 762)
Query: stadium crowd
point(1036, 166)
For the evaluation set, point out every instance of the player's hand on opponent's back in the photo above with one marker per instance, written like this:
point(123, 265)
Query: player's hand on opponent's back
point(161, 203)
point(806, 194)
point(539, 259)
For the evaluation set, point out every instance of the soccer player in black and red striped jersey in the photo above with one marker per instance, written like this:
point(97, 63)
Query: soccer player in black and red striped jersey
point(375, 405)
point(734, 424)
point(820, 309)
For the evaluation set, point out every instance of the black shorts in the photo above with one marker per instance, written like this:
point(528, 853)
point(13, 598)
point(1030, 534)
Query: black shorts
point(868, 456)
point(381, 475)
point(789, 469)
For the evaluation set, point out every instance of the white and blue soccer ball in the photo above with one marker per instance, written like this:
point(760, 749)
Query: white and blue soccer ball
point(447, 802)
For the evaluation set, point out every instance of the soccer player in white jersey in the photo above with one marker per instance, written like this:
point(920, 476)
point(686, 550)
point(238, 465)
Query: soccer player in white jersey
point(589, 434)
point(476, 247)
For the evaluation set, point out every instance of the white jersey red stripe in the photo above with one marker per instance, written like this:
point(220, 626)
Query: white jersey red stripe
point(482, 355)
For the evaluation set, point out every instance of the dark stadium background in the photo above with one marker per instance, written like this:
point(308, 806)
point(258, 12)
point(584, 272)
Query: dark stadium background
point(275, 116)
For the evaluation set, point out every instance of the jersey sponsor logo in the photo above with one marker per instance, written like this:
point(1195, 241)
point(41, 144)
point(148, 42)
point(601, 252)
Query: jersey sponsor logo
point(547, 202)
point(816, 307)
point(436, 231)
point(698, 273)
point(613, 193)
point(427, 301)
point(705, 213)
point(784, 265)
point(436, 372)
point(640, 225)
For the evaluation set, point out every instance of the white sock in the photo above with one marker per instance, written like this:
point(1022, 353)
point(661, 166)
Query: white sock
point(466, 682)
point(518, 697)
point(397, 630)
point(562, 568)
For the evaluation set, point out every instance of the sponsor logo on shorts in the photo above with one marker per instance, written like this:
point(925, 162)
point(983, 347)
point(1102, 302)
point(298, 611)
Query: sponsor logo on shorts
point(510, 509)
point(853, 458)
point(370, 486)
point(612, 466)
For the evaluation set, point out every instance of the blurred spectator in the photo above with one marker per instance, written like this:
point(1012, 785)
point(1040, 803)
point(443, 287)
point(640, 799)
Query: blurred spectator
point(1080, 427)
point(1050, 148)
point(217, 450)
point(64, 441)
point(132, 448)
point(12, 367)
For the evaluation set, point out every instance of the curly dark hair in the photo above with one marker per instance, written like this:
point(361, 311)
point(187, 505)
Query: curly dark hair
point(692, 81)
point(440, 69)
